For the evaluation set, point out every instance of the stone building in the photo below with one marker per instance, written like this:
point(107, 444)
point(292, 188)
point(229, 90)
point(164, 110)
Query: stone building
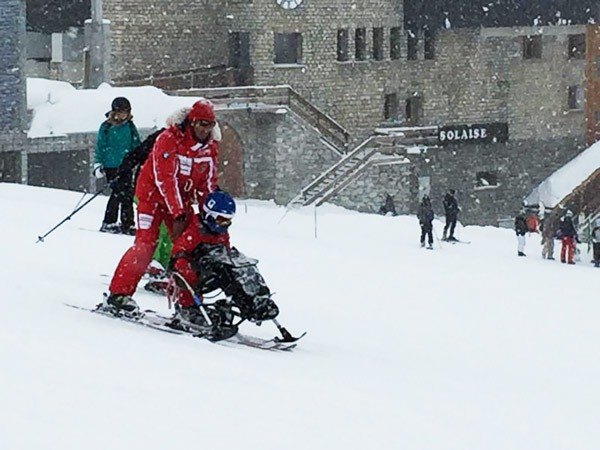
point(12, 89)
point(506, 105)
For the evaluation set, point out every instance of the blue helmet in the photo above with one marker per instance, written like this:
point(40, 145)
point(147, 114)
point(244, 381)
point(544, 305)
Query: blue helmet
point(217, 211)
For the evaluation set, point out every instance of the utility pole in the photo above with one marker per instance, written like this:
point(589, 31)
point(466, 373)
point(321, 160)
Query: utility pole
point(97, 39)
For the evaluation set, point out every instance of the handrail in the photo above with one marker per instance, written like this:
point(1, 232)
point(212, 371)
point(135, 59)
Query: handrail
point(329, 128)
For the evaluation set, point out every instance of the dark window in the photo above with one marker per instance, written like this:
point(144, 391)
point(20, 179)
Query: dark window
point(411, 45)
point(360, 43)
point(390, 106)
point(378, 44)
point(239, 49)
point(575, 98)
point(395, 39)
point(577, 46)
point(597, 116)
point(414, 110)
point(429, 44)
point(288, 48)
point(486, 179)
point(532, 47)
point(342, 44)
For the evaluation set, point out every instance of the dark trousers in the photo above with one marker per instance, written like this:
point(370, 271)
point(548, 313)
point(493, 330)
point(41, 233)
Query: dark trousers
point(449, 227)
point(121, 199)
point(427, 231)
point(597, 253)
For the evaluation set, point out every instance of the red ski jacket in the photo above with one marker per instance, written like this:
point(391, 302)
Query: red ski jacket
point(179, 171)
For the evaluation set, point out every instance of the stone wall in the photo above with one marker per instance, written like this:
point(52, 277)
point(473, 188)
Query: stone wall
point(153, 36)
point(12, 60)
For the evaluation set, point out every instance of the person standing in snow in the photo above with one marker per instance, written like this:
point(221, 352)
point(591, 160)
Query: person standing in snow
point(128, 171)
point(181, 170)
point(596, 242)
point(425, 216)
point(548, 234)
point(451, 210)
point(116, 137)
point(521, 229)
point(568, 237)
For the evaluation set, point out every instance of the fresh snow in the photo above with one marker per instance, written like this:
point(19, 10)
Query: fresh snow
point(462, 347)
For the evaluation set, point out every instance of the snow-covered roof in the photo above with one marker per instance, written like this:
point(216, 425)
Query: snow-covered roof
point(59, 109)
point(562, 182)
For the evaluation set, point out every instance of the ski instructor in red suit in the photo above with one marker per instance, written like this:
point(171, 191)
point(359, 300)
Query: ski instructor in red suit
point(180, 171)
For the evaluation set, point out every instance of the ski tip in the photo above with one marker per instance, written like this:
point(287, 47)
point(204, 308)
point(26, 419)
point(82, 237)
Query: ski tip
point(290, 339)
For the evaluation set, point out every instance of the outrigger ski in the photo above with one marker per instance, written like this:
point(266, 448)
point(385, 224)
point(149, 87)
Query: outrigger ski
point(151, 319)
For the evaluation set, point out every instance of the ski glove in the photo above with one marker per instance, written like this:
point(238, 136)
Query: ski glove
point(98, 171)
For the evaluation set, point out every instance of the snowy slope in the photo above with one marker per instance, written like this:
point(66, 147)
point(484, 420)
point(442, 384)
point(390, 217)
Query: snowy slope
point(463, 347)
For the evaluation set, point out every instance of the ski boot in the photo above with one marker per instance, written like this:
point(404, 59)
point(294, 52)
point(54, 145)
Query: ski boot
point(118, 304)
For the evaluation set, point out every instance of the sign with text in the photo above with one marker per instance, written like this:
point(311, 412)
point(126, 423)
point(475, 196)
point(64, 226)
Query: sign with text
point(478, 133)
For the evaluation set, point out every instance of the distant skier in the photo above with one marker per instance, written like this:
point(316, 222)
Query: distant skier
point(451, 209)
point(548, 233)
point(425, 216)
point(206, 261)
point(521, 230)
point(596, 242)
point(568, 237)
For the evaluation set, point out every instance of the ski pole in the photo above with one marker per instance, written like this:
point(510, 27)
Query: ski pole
point(197, 299)
point(41, 238)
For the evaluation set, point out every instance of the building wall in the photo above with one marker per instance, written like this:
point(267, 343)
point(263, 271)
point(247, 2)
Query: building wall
point(150, 36)
point(12, 58)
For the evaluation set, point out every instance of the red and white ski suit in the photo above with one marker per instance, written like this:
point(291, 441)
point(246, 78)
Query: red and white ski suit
point(194, 235)
point(178, 173)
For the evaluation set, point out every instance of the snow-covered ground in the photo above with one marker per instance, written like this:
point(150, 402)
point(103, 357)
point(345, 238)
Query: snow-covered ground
point(462, 347)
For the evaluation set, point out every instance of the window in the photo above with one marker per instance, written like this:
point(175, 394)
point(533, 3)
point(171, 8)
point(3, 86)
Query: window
point(411, 45)
point(575, 100)
point(239, 49)
point(414, 110)
point(288, 48)
point(577, 46)
point(378, 44)
point(532, 47)
point(360, 43)
point(390, 106)
point(395, 36)
point(342, 44)
point(486, 179)
point(429, 43)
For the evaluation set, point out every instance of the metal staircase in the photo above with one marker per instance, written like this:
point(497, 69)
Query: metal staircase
point(375, 150)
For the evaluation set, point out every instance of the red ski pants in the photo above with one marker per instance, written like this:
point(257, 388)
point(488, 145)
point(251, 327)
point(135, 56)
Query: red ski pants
point(567, 250)
point(133, 264)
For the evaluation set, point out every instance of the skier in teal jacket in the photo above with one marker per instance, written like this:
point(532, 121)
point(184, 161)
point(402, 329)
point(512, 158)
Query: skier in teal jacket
point(116, 137)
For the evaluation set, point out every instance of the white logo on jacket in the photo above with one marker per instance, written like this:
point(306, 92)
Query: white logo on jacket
point(185, 164)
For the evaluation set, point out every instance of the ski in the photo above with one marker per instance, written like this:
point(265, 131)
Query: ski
point(151, 319)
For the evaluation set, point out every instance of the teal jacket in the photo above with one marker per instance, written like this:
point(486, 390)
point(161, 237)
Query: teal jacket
point(114, 141)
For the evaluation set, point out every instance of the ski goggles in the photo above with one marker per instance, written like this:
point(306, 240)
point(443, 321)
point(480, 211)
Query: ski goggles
point(203, 123)
point(222, 221)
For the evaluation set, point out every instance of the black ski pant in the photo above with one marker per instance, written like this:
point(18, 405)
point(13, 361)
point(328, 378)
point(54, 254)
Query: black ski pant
point(449, 227)
point(596, 246)
point(426, 231)
point(121, 199)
